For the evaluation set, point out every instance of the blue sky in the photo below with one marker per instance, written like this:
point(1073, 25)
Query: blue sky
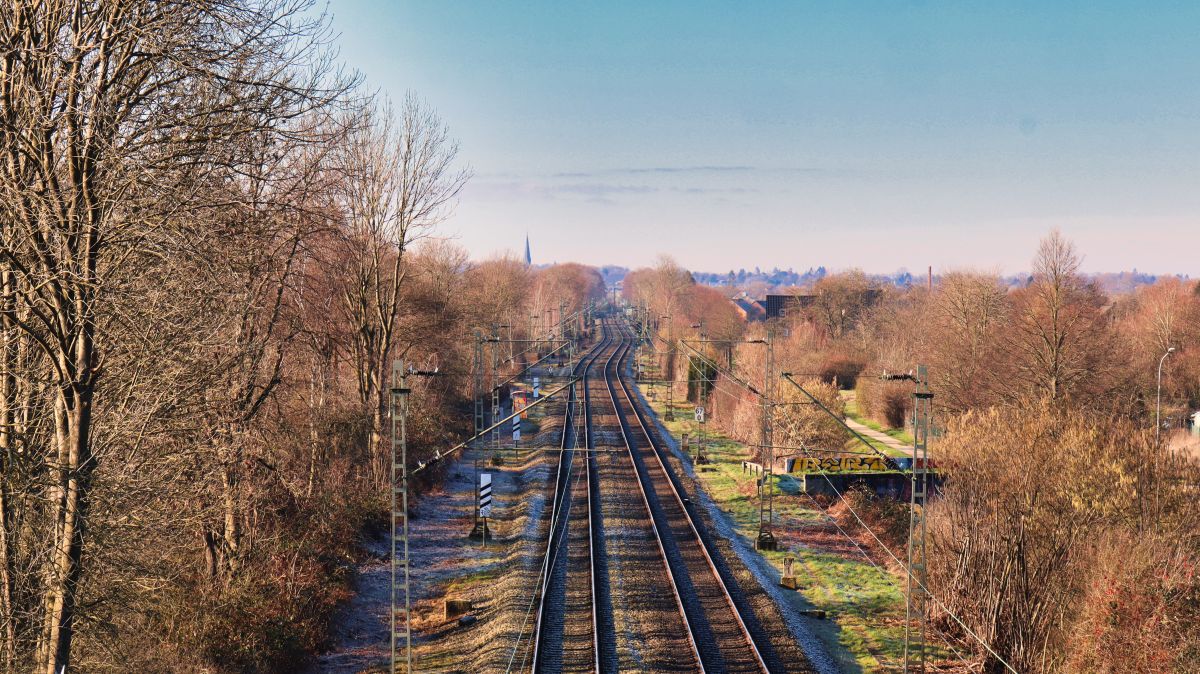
point(872, 135)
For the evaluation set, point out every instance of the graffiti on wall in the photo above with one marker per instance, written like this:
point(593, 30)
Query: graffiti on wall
point(842, 464)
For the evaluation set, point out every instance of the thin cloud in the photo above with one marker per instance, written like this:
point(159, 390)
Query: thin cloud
point(590, 191)
point(652, 170)
point(697, 170)
point(715, 190)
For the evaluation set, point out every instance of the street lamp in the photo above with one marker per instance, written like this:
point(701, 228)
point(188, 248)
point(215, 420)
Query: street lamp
point(1158, 402)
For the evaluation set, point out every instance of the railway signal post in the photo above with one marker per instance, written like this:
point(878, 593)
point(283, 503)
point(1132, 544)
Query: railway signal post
point(484, 504)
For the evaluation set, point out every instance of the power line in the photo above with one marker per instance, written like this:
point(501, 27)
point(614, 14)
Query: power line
point(843, 532)
point(904, 566)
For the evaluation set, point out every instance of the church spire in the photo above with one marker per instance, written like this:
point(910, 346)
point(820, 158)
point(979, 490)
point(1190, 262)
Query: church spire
point(528, 258)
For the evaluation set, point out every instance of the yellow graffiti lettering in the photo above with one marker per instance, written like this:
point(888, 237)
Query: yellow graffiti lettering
point(844, 464)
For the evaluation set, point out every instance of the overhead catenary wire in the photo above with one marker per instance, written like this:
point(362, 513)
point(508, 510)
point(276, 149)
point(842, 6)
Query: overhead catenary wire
point(749, 387)
point(440, 455)
point(556, 510)
point(874, 452)
point(863, 524)
point(857, 546)
point(908, 571)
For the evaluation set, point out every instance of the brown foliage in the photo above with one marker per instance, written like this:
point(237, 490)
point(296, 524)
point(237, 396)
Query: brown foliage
point(799, 423)
point(886, 402)
point(1031, 490)
point(1140, 610)
point(841, 300)
point(840, 369)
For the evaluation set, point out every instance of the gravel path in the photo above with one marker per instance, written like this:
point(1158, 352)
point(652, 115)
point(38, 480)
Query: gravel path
point(360, 627)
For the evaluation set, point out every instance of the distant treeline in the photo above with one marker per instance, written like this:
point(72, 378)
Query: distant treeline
point(1113, 283)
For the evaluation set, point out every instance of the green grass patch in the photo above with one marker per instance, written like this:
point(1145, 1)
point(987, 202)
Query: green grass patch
point(865, 606)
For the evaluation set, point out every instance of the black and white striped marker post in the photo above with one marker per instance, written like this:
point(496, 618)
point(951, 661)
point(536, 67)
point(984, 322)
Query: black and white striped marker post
point(485, 502)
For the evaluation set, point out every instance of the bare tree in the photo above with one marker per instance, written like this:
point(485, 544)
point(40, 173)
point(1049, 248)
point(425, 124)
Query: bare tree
point(399, 182)
point(111, 116)
point(968, 313)
point(1058, 344)
point(841, 299)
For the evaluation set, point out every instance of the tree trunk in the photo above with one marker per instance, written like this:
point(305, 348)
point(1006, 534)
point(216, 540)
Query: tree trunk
point(8, 405)
point(73, 473)
point(378, 455)
point(6, 607)
point(232, 534)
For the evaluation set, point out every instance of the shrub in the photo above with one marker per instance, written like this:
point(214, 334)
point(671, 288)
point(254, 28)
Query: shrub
point(886, 402)
point(841, 369)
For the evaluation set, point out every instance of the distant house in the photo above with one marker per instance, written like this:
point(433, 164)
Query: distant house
point(747, 308)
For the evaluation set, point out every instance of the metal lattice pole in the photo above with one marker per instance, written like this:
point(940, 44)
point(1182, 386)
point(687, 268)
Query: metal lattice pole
point(702, 380)
point(670, 415)
point(532, 336)
point(512, 349)
point(642, 326)
point(478, 370)
point(495, 385)
point(766, 504)
point(401, 604)
point(562, 320)
point(917, 603)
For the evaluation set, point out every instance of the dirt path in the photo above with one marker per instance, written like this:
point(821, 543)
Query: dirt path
point(361, 626)
point(882, 438)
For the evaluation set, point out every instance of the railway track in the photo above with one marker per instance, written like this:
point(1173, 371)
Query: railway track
point(654, 579)
point(718, 622)
point(566, 638)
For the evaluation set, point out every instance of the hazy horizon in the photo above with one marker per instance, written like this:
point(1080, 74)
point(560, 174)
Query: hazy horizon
point(829, 269)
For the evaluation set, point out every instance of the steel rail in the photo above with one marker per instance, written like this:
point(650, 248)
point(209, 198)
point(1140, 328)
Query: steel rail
point(623, 348)
point(562, 479)
point(701, 543)
point(592, 504)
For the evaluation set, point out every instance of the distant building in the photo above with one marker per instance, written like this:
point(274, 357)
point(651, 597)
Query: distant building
point(528, 257)
point(779, 306)
point(749, 309)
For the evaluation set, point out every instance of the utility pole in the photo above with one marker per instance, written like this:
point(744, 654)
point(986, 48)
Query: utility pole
point(670, 415)
point(495, 385)
point(478, 372)
point(401, 623)
point(766, 503)
point(917, 604)
point(530, 335)
point(1158, 400)
point(401, 604)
